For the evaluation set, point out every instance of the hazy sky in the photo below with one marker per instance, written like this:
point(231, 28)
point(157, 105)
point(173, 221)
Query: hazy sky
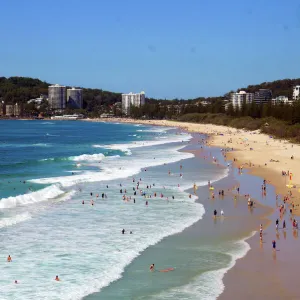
point(168, 48)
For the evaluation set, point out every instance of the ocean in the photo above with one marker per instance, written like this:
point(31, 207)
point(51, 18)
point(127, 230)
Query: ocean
point(48, 168)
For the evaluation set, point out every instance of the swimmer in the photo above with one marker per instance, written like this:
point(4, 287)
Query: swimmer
point(57, 278)
point(16, 281)
point(9, 258)
point(152, 268)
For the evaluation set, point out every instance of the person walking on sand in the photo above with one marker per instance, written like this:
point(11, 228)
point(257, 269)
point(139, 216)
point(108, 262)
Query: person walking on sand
point(215, 213)
point(222, 212)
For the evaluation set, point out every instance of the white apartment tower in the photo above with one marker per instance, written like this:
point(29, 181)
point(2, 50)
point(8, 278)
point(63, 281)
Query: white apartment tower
point(57, 96)
point(132, 99)
point(74, 98)
point(296, 92)
point(237, 99)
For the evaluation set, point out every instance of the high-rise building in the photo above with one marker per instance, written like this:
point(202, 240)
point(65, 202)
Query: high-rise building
point(2, 108)
point(74, 98)
point(57, 96)
point(296, 92)
point(18, 109)
point(237, 99)
point(263, 96)
point(131, 99)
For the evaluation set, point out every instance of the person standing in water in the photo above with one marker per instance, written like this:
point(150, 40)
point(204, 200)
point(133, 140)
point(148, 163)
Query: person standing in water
point(152, 268)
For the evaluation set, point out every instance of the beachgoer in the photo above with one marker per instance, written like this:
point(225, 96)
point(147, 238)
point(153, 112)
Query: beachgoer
point(57, 278)
point(222, 213)
point(123, 231)
point(274, 245)
point(152, 267)
point(16, 281)
point(215, 213)
point(9, 258)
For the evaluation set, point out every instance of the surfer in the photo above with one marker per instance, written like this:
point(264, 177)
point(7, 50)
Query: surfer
point(152, 268)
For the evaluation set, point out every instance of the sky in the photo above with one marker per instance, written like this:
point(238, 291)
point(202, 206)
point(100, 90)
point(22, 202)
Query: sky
point(167, 48)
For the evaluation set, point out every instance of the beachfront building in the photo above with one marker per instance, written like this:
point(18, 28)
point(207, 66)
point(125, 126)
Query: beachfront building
point(74, 98)
point(262, 96)
point(131, 99)
point(281, 99)
point(18, 109)
point(2, 108)
point(57, 97)
point(296, 92)
point(9, 110)
point(237, 99)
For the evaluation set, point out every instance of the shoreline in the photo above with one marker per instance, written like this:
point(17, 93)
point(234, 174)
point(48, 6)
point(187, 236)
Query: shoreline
point(233, 232)
point(248, 146)
point(244, 155)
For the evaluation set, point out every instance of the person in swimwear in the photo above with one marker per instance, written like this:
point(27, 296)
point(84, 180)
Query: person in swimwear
point(57, 278)
point(9, 258)
point(152, 268)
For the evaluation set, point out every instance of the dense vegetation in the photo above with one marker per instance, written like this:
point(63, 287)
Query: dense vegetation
point(22, 89)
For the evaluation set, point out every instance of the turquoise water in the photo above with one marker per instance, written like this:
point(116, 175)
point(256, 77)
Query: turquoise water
point(48, 168)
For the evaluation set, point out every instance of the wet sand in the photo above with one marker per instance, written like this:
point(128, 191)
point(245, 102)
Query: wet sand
point(263, 274)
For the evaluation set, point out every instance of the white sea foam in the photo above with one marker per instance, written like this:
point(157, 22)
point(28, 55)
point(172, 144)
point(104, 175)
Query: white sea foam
point(88, 157)
point(106, 251)
point(40, 145)
point(126, 147)
point(158, 130)
point(45, 194)
point(9, 221)
point(119, 167)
